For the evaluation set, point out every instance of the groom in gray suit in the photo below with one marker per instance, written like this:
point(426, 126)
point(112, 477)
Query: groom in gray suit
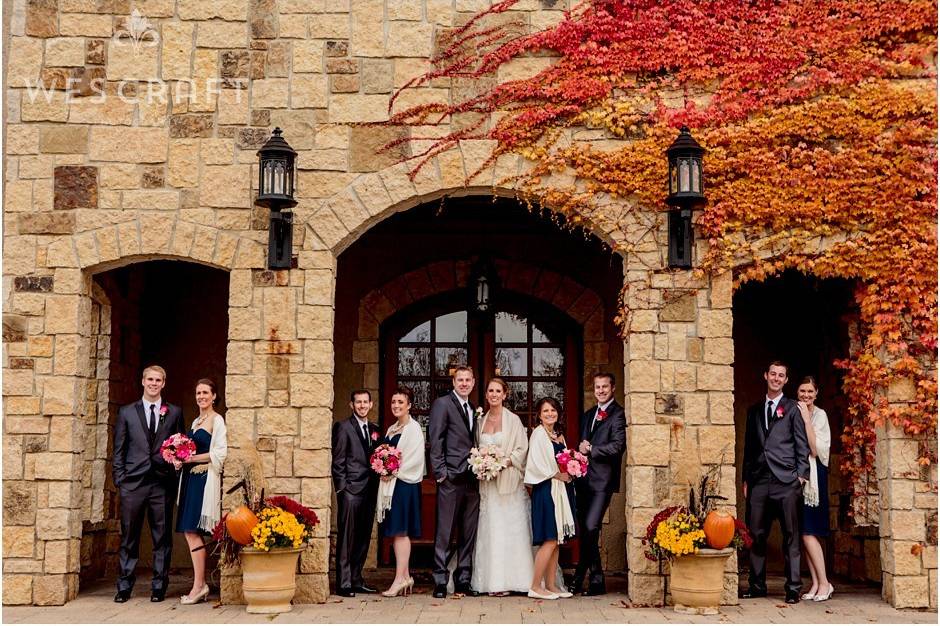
point(451, 430)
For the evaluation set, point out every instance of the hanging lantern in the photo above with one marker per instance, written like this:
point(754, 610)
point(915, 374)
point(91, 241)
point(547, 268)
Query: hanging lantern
point(686, 193)
point(276, 163)
point(482, 285)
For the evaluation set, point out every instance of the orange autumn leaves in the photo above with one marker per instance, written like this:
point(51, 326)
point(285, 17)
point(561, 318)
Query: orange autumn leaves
point(820, 122)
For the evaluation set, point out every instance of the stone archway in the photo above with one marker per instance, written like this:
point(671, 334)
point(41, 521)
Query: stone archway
point(56, 483)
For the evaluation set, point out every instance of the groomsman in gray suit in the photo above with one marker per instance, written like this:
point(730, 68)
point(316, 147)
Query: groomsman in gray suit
point(146, 483)
point(451, 431)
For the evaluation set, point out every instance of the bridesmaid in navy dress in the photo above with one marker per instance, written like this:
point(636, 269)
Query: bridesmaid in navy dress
point(194, 517)
point(399, 498)
point(544, 524)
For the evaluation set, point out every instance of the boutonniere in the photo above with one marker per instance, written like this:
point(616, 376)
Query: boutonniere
point(375, 436)
point(479, 412)
point(779, 412)
point(163, 409)
point(601, 415)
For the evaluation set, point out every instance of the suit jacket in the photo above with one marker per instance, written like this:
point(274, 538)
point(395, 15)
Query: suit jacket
point(451, 438)
point(608, 443)
point(136, 452)
point(785, 446)
point(350, 468)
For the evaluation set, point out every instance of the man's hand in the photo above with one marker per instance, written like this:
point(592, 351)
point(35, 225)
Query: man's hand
point(584, 447)
point(802, 481)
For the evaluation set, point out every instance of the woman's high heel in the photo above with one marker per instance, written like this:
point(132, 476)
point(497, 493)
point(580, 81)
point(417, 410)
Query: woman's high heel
point(199, 597)
point(823, 598)
point(395, 590)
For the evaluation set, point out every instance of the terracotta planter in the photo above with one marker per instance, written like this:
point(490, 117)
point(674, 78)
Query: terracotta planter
point(696, 581)
point(268, 580)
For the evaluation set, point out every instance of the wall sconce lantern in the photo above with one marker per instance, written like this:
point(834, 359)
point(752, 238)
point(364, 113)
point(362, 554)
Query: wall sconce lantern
point(483, 283)
point(276, 175)
point(686, 193)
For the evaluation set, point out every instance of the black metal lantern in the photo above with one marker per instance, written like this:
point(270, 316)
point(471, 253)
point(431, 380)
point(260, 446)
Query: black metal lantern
point(686, 193)
point(483, 282)
point(276, 168)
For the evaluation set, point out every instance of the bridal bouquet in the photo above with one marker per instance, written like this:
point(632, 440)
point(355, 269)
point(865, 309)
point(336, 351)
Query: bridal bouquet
point(572, 463)
point(386, 460)
point(487, 462)
point(176, 449)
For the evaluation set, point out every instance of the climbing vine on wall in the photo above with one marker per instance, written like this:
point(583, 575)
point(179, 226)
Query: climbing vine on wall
point(820, 122)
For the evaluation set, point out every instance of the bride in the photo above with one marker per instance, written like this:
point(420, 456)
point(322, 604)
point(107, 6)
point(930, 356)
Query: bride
point(502, 559)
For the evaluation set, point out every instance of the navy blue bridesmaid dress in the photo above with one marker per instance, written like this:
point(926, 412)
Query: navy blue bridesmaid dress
point(404, 518)
point(543, 507)
point(816, 518)
point(193, 486)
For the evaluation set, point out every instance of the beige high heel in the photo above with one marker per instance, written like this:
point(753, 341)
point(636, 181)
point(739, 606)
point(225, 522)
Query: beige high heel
point(199, 597)
point(395, 590)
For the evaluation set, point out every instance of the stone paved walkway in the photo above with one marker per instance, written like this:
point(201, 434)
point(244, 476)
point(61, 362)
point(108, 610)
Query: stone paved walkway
point(849, 605)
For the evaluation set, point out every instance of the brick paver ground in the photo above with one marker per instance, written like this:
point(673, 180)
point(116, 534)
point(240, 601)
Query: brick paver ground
point(850, 604)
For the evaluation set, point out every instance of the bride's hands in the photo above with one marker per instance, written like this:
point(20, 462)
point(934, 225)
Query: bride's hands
point(563, 477)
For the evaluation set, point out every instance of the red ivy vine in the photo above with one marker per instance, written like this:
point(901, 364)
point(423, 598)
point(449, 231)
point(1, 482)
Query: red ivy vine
point(820, 122)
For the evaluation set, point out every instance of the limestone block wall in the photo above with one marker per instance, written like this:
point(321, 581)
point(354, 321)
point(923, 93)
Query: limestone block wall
point(132, 136)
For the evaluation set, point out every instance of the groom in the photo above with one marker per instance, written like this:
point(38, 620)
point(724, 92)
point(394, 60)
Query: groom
point(146, 482)
point(451, 430)
point(603, 440)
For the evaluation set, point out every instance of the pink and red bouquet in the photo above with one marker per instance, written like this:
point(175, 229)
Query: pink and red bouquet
point(386, 460)
point(177, 449)
point(571, 462)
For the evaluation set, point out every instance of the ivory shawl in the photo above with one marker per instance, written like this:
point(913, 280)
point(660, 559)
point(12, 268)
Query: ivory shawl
point(541, 466)
point(515, 446)
point(411, 471)
point(823, 441)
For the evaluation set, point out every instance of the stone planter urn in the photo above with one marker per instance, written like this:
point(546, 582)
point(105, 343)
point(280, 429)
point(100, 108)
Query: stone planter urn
point(268, 578)
point(696, 581)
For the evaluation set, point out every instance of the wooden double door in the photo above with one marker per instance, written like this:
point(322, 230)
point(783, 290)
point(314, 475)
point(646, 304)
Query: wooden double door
point(530, 345)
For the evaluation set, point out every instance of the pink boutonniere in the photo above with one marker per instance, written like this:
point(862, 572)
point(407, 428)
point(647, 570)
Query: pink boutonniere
point(163, 410)
point(601, 415)
point(779, 412)
point(375, 436)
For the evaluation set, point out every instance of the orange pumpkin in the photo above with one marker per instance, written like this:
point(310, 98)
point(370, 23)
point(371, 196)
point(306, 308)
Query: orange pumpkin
point(239, 524)
point(719, 529)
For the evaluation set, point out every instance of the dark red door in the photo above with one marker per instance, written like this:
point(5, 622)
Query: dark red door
point(528, 344)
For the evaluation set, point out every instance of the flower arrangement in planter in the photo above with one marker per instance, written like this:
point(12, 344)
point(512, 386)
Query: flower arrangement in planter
point(265, 536)
point(695, 539)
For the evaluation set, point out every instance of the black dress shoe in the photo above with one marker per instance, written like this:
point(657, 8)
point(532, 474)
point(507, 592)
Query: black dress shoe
point(440, 591)
point(467, 590)
point(363, 588)
point(752, 593)
point(157, 596)
point(346, 593)
point(792, 598)
point(122, 596)
point(595, 590)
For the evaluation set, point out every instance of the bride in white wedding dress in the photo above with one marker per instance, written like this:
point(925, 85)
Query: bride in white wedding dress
point(502, 558)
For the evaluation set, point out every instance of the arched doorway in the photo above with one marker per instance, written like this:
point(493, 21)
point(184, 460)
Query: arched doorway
point(808, 323)
point(534, 347)
point(173, 313)
point(417, 265)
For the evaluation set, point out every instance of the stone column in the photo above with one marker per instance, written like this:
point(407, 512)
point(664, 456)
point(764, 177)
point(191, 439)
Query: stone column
point(680, 407)
point(908, 517)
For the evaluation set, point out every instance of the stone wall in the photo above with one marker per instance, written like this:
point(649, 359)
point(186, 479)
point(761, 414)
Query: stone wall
point(101, 172)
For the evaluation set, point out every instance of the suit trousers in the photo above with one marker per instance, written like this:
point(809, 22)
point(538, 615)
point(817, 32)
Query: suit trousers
point(354, 521)
point(155, 500)
point(770, 499)
point(458, 503)
point(591, 508)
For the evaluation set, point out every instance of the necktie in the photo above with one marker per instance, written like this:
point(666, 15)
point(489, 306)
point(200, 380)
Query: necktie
point(466, 408)
point(365, 433)
point(153, 420)
point(769, 415)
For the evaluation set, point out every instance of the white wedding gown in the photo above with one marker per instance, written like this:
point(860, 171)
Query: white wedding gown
point(502, 557)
